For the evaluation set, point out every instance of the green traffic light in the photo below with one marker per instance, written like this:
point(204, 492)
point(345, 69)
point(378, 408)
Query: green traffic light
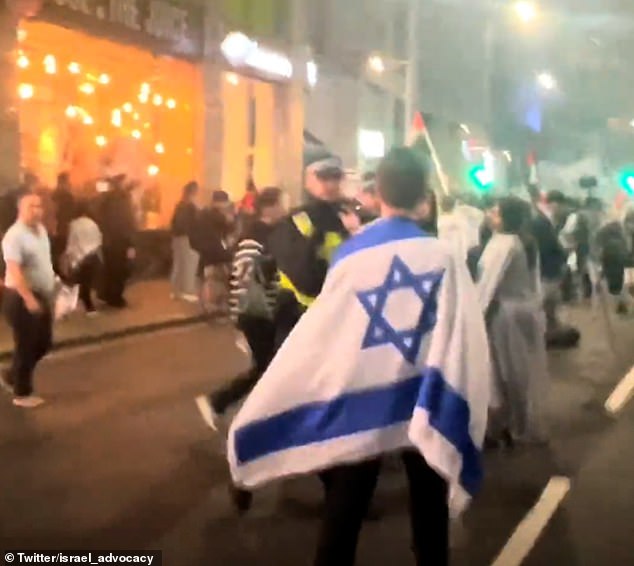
point(481, 177)
point(627, 182)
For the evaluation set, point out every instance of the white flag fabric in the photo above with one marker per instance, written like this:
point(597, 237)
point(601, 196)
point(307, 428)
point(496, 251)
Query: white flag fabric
point(393, 354)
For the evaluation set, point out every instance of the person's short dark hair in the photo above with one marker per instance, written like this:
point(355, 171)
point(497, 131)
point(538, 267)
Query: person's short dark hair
point(190, 189)
point(516, 216)
point(268, 197)
point(555, 197)
point(81, 208)
point(117, 181)
point(23, 193)
point(588, 182)
point(63, 179)
point(402, 179)
point(488, 202)
point(220, 197)
point(515, 213)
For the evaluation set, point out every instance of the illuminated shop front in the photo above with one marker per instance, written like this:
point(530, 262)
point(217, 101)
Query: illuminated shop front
point(262, 124)
point(103, 93)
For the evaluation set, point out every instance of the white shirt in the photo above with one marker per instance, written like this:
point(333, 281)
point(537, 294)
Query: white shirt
point(84, 238)
point(31, 250)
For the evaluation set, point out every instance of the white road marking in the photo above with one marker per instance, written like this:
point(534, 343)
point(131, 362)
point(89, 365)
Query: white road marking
point(622, 394)
point(528, 531)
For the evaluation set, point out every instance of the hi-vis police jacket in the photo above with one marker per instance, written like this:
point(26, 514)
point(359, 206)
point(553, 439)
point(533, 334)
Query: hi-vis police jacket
point(303, 244)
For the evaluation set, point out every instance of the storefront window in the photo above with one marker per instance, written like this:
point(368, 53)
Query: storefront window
point(96, 108)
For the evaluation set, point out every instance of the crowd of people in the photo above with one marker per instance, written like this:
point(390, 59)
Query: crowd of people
point(345, 368)
point(51, 239)
point(525, 257)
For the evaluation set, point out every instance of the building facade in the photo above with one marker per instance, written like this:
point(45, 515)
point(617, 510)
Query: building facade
point(353, 110)
point(256, 72)
point(155, 90)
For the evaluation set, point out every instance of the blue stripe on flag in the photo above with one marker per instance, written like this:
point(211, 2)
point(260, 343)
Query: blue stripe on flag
point(364, 411)
point(450, 415)
point(379, 233)
point(348, 414)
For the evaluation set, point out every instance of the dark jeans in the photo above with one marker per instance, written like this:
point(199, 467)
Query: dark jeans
point(349, 491)
point(115, 273)
point(614, 270)
point(260, 334)
point(85, 278)
point(32, 336)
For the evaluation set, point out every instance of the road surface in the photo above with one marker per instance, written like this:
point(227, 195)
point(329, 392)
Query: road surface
point(119, 459)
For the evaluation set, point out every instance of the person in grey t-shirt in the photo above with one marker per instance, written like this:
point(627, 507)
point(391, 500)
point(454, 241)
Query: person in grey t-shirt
point(29, 290)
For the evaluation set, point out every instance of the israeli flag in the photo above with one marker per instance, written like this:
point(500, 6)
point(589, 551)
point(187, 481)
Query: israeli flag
point(393, 354)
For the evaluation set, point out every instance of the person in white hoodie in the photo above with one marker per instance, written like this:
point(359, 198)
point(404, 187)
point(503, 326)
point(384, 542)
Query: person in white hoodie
point(83, 253)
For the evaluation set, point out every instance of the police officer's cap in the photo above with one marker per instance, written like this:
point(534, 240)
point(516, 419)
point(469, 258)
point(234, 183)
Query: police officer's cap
point(323, 164)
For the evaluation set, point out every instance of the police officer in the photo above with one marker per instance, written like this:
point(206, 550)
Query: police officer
point(304, 242)
point(302, 245)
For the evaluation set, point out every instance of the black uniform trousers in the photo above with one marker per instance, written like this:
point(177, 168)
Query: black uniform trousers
point(260, 334)
point(349, 491)
point(115, 272)
point(32, 335)
point(85, 277)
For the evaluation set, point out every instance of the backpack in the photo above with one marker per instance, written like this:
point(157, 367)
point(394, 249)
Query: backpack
point(254, 301)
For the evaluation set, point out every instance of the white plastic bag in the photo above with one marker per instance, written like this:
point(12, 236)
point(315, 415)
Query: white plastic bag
point(66, 301)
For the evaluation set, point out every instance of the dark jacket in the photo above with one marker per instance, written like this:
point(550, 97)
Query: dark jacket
point(211, 230)
point(116, 218)
point(552, 255)
point(184, 219)
point(64, 202)
point(303, 243)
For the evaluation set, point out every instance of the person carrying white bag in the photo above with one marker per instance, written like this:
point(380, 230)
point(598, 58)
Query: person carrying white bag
point(83, 259)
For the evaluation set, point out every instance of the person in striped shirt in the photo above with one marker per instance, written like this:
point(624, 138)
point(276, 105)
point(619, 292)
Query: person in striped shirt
point(254, 288)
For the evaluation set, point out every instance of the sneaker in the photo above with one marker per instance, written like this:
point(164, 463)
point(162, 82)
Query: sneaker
point(92, 314)
point(190, 298)
point(207, 412)
point(30, 402)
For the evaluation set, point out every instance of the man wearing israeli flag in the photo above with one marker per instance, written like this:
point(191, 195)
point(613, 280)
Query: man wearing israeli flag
point(391, 357)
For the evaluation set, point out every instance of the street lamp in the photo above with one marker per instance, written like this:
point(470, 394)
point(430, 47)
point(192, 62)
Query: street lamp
point(526, 11)
point(546, 81)
point(376, 64)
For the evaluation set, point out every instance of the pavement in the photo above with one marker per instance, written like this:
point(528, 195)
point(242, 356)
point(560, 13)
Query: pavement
point(120, 460)
point(150, 309)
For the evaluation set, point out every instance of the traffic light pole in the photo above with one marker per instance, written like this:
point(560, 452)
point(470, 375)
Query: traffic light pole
point(489, 64)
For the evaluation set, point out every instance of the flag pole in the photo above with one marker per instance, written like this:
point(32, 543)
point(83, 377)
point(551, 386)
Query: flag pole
point(420, 128)
point(438, 166)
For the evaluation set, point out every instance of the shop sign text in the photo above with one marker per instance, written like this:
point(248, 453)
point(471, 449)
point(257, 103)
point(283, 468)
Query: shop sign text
point(157, 18)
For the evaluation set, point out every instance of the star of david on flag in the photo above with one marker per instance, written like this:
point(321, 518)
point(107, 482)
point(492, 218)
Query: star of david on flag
point(380, 332)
